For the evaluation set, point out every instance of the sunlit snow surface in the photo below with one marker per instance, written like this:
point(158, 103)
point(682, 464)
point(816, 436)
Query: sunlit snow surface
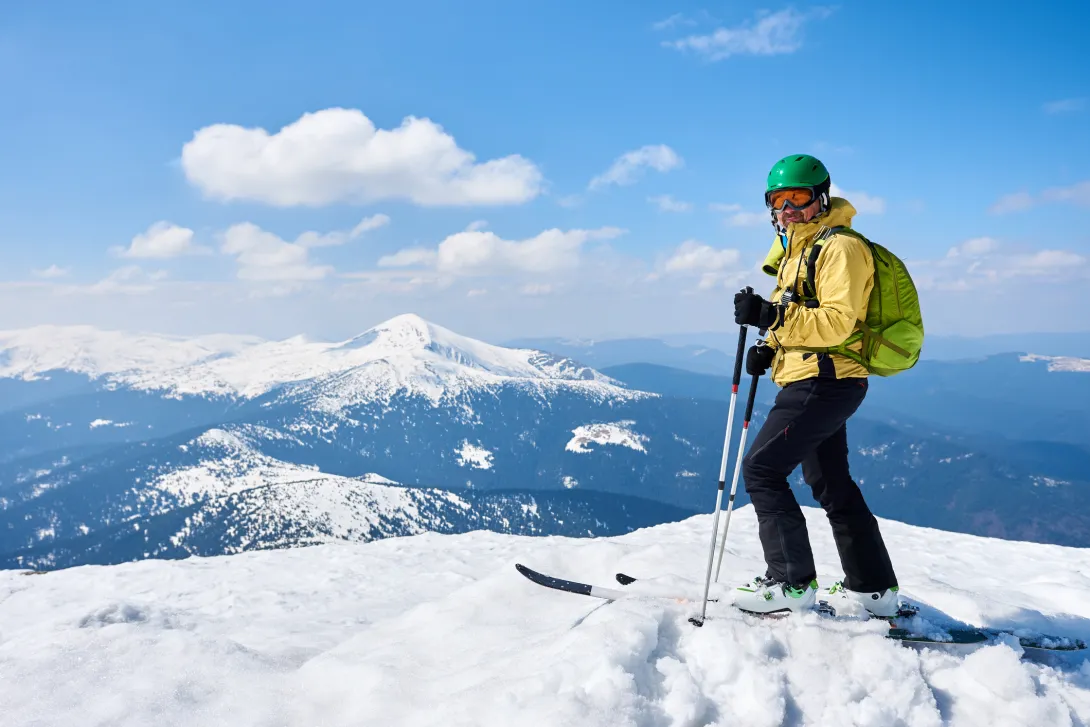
point(404, 355)
point(441, 630)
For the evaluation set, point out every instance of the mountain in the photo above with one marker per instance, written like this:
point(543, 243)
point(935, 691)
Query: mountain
point(937, 347)
point(1004, 397)
point(432, 410)
point(321, 509)
point(441, 630)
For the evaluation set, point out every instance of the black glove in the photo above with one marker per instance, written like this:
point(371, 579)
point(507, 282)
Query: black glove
point(758, 359)
point(751, 309)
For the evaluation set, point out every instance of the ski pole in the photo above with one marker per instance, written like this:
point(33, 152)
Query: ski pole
point(742, 332)
point(738, 461)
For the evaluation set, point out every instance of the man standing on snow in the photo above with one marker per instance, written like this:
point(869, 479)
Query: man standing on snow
point(819, 392)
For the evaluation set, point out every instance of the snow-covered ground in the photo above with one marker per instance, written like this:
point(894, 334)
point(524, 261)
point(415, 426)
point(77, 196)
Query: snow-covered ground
point(441, 630)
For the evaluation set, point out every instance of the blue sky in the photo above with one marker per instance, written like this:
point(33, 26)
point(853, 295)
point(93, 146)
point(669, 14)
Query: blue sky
point(139, 192)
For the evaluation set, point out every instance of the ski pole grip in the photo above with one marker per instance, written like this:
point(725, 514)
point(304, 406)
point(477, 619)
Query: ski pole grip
point(739, 356)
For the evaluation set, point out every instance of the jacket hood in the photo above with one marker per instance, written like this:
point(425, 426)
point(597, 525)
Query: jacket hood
point(840, 214)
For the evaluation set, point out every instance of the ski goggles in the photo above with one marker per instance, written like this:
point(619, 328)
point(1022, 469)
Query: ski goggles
point(793, 197)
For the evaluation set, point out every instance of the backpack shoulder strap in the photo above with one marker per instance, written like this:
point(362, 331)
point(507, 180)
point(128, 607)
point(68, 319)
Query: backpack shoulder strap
point(809, 288)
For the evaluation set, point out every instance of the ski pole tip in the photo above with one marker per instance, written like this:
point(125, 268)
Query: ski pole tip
point(696, 621)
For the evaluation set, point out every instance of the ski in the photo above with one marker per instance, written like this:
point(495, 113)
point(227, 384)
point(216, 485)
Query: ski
point(955, 635)
point(586, 589)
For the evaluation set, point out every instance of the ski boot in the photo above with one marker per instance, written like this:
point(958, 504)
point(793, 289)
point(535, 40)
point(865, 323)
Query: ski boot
point(764, 596)
point(885, 604)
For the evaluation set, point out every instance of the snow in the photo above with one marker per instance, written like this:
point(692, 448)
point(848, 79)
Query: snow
point(108, 423)
point(475, 456)
point(618, 433)
point(1059, 363)
point(441, 630)
point(405, 354)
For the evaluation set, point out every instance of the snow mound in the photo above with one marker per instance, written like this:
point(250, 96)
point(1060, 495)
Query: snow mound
point(405, 354)
point(617, 433)
point(441, 630)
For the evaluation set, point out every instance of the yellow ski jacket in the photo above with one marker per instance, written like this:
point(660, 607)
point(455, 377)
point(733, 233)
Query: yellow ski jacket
point(844, 277)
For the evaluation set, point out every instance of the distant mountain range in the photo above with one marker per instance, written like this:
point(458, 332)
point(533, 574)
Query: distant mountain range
point(112, 449)
point(936, 347)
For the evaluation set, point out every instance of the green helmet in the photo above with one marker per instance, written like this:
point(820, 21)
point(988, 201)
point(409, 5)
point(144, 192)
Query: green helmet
point(800, 170)
point(797, 170)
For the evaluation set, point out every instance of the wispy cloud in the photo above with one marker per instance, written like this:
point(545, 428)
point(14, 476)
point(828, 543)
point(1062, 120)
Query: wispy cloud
point(770, 34)
point(865, 204)
point(666, 203)
point(1065, 106)
point(738, 216)
point(163, 240)
point(1077, 194)
point(984, 262)
point(674, 21)
point(630, 166)
point(52, 272)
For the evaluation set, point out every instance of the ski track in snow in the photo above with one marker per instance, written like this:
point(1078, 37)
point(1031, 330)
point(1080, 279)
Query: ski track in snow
point(441, 630)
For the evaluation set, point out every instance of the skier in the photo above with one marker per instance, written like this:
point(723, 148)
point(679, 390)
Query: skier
point(819, 392)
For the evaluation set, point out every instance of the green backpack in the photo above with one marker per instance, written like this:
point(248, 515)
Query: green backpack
point(892, 334)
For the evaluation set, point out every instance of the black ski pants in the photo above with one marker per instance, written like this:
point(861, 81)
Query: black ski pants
point(807, 426)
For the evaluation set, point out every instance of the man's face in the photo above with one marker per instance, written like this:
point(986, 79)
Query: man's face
point(788, 216)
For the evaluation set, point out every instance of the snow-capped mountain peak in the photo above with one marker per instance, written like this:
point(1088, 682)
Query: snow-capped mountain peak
point(404, 353)
point(409, 355)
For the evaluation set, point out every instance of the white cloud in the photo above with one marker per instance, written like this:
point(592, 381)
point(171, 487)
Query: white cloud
point(476, 225)
point(629, 167)
point(162, 240)
point(128, 280)
point(340, 237)
point(337, 155)
point(1077, 194)
point(714, 267)
point(1015, 202)
point(975, 247)
point(1064, 106)
point(569, 201)
point(673, 21)
point(476, 292)
point(536, 289)
point(666, 203)
point(480, 252)
point(52, 272)
point(369, 223)
point(262, 256)
point(408, 257)
point(693, 255)
point(748, 219)
point(771, 34)
point(738, 216)
point(864, 203)
point(720, 207)
point(984, 263)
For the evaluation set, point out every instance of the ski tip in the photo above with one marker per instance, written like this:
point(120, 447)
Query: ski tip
point(625, 580)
